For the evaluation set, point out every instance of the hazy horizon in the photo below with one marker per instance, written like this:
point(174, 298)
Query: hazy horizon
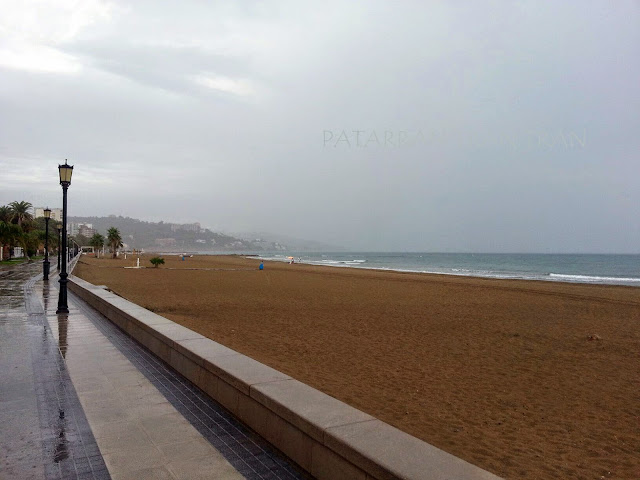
point(411, 127)
point(342, 249)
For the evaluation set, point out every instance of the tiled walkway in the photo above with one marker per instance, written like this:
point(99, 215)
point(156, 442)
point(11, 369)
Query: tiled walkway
point(80, 399)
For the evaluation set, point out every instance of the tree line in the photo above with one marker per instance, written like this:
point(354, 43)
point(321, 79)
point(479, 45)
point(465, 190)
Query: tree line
point(19, 228)
point(113, 241)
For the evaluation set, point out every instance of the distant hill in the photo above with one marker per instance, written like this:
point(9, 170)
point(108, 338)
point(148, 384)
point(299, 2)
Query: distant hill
point(292, 243)
point(171, 237)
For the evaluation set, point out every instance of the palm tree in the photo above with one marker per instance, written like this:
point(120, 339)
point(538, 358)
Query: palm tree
point(29, 241)
point(97, 241)
point(5, 214)
point(20, 211)
point(114, 239)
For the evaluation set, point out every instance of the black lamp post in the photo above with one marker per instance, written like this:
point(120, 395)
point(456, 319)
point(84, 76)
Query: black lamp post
point(59, 227)
point(76, 247)
point(45, 264)
point(65, 172)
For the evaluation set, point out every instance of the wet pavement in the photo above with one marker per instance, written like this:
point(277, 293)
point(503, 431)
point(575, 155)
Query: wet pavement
point(79, 399)
point(43, 430)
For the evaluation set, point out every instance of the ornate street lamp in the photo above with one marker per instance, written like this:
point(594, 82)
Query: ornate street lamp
point(45, 264)
point(59, 227)
point(65, 172)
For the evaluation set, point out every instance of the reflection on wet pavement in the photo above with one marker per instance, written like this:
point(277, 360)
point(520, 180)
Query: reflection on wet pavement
point(43, 430)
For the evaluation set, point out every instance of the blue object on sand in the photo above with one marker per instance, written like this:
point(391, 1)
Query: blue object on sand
point(261, 266)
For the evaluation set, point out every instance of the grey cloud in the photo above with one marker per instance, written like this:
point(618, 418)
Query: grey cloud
point(162, 66)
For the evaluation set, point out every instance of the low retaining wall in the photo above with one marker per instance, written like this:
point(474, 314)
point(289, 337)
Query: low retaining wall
point(324, 436)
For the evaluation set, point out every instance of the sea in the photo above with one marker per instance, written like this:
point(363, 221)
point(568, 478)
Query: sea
point(579, 268)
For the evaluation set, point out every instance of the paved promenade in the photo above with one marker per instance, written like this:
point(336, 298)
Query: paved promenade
point(80, 400)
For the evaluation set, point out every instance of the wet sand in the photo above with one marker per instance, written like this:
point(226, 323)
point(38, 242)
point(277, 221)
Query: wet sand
point(525, 379)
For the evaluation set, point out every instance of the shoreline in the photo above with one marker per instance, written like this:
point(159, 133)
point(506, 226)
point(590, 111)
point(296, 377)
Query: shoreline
point(459, 271)
point(465, 275)
point(549, 277)
point(506, 282)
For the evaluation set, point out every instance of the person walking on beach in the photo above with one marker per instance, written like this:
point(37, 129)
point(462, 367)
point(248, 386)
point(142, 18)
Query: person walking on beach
point(261, 267)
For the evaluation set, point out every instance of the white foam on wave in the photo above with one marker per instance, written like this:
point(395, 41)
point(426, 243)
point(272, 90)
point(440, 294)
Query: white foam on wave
point(277, 258)
point(590, 278)
point(336, 263)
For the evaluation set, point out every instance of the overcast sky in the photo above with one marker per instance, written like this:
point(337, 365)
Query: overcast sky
point(419, 126)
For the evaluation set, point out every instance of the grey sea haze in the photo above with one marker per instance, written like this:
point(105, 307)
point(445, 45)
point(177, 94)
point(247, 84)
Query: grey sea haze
point(578, 268)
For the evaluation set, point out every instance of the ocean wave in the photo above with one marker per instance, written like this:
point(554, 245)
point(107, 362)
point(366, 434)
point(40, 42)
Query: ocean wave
point(340, 262)
point(591, 278)
point(275, 258)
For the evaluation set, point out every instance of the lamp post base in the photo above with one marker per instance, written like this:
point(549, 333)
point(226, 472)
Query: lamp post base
point(45, 270)
point(62, 295)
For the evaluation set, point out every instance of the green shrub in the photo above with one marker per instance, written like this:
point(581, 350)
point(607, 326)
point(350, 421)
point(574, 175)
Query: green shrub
point(155, 261)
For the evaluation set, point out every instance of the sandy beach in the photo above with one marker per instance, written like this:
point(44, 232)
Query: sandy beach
point(535, 380)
